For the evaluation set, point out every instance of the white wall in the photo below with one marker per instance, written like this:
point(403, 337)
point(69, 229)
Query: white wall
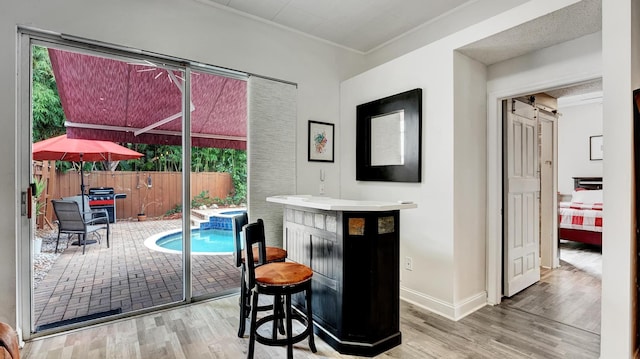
point(181, 28)
point(621, 75)
point(430, 234)
point(470, 182)
point(577, 123)
point(426, 232)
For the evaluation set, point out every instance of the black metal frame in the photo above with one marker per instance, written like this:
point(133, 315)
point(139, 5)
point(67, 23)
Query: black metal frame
point(591, 154)
point(411, 170)
point(636, 160)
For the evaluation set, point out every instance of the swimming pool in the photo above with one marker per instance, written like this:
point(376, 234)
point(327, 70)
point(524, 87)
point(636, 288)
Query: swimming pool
point(212, 237)
point(207, 241)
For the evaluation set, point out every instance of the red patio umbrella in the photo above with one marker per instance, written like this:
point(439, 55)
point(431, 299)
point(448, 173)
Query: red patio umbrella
point(62, 148)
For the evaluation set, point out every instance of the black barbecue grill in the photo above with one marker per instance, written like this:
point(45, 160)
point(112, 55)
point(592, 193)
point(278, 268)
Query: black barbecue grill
point(105, 198)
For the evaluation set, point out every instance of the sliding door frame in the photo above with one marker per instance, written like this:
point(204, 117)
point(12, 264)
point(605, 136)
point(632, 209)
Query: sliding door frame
point(28, 37)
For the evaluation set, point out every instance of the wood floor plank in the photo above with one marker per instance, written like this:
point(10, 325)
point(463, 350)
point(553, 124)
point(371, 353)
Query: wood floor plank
point(559, 317)
point(208, 330)
point(569, 294)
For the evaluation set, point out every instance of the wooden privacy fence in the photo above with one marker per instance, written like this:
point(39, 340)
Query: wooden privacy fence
point(163, 195)
point(44, 171)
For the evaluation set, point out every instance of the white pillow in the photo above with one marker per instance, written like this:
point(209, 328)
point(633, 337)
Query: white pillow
point(588, 196)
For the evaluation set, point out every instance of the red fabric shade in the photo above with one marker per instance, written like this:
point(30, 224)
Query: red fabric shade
point(108, 99)
point(62, 148)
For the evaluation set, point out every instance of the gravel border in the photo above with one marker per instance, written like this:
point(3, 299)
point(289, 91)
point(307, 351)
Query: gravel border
point(43, 261)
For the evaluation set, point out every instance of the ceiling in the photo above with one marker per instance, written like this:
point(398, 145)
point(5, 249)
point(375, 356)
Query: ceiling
point(571, 22)
point(361, 25)
point(574, 21)
point(590, 87)
point(365, 25)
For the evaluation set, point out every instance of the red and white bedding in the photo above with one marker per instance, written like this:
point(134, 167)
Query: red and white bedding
point(579, 215)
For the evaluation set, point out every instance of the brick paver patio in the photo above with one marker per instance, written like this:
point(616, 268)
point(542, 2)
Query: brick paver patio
point(125, 277)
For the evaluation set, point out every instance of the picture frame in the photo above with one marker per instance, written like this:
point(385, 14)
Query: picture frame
point(389, 138)
point(321, 141)
point(595, 148)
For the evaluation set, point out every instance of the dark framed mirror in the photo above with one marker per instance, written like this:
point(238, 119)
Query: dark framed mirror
point(389, 138)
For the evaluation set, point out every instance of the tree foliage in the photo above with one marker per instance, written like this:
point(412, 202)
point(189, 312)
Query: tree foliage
point(48, 121)
point(48, 117)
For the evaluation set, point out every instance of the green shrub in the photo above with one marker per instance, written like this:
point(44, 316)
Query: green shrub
point(176, 209)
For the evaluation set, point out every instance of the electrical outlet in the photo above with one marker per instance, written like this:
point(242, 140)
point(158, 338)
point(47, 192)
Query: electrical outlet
point(321, 189)
point(408, 263)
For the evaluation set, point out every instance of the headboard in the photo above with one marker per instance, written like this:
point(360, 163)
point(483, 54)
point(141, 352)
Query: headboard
point(587, 182)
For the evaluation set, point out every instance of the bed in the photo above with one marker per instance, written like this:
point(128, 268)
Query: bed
point(580, 219)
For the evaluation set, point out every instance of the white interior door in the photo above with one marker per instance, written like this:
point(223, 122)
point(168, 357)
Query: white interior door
point(522, 209)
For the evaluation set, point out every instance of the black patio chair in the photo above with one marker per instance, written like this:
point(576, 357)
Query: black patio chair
point(72, 221)
point(89, 213)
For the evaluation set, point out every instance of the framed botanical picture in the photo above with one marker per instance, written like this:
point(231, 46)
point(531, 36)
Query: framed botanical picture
point(321, 141)
point(595, 148)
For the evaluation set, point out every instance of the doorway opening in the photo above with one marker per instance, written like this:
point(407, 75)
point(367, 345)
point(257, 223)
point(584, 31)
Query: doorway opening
point(568, 289)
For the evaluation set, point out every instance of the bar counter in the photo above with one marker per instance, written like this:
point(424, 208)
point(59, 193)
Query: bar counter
point(353, 248)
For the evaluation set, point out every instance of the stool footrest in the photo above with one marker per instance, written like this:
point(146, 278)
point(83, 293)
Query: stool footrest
point(282, 341)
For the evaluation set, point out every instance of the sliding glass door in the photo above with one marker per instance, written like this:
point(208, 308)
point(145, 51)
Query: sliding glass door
point(166, 209)
point(218, 179)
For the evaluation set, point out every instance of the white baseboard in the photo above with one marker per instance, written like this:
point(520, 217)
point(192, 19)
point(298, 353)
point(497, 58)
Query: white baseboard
point(20, 341)
point(448, 310)
point(470, 305)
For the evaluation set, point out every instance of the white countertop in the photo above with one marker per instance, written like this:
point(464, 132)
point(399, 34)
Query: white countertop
point(336, 204)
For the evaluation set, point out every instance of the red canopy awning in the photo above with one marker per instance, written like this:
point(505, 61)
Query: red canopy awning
point(113, 100)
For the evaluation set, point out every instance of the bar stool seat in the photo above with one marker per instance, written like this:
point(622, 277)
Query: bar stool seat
point(273, 254)
point(279, 279)
point(282, 274)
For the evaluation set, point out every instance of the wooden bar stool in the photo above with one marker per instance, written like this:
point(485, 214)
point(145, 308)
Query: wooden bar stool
point(273, 254)
point(279, 279)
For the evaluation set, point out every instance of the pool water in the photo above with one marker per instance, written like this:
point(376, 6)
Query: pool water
point(202, 241)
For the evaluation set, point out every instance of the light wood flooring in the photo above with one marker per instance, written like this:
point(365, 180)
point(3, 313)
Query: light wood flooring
point(569, 294)
point(518, 328)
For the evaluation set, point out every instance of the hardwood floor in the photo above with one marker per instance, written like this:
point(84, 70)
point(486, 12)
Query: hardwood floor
point(208, 330)
point(569, 294)
point(585, 257)
point(518, 328)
